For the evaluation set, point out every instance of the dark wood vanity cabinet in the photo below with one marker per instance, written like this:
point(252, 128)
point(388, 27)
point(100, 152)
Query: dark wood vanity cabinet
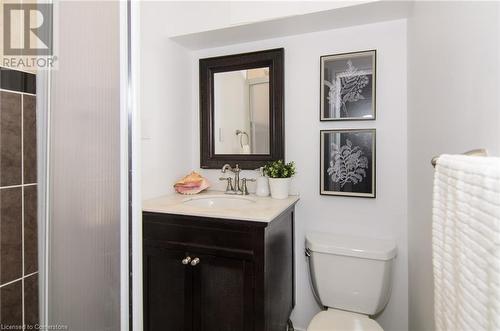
point(243, 281)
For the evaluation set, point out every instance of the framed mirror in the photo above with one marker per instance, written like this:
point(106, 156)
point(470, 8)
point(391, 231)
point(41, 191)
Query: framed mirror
point(241, 109)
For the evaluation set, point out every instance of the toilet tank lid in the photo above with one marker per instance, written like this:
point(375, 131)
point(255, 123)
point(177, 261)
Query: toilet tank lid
point(362, 247)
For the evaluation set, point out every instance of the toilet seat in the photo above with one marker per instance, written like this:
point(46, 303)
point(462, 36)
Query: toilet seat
point(339, 320)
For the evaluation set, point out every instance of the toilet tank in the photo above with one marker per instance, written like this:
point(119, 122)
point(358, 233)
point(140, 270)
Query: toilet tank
point(351, 273)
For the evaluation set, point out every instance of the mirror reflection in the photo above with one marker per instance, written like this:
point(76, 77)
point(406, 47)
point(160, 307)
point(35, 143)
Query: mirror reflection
point(241, 111)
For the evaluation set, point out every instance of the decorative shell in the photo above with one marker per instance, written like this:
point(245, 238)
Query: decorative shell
point(193, 183)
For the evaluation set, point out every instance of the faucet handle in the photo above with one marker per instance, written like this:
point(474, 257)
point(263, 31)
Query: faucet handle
point(236, 168)
point(244, 189)
point(229, 186)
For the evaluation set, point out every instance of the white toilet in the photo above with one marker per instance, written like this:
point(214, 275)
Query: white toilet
point(352, 277)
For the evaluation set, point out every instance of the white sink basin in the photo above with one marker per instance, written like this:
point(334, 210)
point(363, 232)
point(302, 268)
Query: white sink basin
point(219, 201)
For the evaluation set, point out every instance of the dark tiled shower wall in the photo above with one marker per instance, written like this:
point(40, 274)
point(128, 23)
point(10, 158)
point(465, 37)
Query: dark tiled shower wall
point(18, 200)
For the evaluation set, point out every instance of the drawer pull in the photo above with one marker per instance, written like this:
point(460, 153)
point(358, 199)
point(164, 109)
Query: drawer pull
point(195, 261)
point(186, 260)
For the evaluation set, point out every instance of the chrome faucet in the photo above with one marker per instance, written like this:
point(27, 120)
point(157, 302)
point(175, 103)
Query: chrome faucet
point(240, 187)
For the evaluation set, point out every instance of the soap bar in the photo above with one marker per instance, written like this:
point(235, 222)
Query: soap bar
point(191, 184)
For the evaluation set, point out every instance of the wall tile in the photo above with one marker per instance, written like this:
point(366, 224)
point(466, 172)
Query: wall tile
point(11, 305)
point(29, 135)
point(31, 301)
point(10, 139)
point(19, 81)
point(17, 147)
point(30, 230)
point(10, 234)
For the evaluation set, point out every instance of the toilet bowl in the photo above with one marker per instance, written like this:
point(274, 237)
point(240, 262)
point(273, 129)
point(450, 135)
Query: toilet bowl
point(351, 277)
point(333, 319)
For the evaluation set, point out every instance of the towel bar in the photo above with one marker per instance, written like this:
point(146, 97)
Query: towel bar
point(474, 152)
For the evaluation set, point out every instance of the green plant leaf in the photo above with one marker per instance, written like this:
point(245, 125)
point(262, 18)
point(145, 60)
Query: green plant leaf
point(279, 169)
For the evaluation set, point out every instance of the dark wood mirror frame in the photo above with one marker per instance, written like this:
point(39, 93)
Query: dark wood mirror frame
point(274, 59)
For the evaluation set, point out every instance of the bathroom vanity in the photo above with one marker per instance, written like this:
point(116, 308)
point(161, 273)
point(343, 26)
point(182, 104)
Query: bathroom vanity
point(216, 262)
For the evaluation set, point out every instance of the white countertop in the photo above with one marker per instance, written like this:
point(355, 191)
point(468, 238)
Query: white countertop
point(264, 209)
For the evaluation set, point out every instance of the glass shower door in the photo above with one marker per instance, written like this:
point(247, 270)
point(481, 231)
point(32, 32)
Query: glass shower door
point(86, 184)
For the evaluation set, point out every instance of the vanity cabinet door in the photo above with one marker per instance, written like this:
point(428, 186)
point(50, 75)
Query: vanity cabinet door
point(223, 294)
point(167, 290)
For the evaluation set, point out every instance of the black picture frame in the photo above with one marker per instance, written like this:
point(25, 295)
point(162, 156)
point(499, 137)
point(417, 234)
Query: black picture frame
point(334, 69)
point(272, 58)
point(339, 176)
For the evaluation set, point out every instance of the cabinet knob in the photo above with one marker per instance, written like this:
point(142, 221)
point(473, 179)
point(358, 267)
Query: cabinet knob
point(195, 261)
point(186, 260)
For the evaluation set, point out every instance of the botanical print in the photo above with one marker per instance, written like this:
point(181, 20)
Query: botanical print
point(348, 162)
point(348, 86)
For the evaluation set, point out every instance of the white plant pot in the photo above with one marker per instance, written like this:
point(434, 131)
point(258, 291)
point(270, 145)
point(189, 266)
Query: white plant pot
point(279, 187)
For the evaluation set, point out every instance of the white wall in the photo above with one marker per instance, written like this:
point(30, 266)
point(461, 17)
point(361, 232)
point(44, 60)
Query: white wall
point(383, 217)
point(453, 85)
point(164, 106)
point(184, 17)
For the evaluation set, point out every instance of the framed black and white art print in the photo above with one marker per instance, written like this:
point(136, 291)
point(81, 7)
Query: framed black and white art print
point(348, 86)
point(348, 162)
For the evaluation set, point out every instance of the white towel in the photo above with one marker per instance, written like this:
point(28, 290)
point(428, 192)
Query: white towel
point(466, 243)
point(245, 149)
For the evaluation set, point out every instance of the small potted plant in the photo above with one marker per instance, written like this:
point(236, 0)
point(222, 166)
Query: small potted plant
point(279, 174)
